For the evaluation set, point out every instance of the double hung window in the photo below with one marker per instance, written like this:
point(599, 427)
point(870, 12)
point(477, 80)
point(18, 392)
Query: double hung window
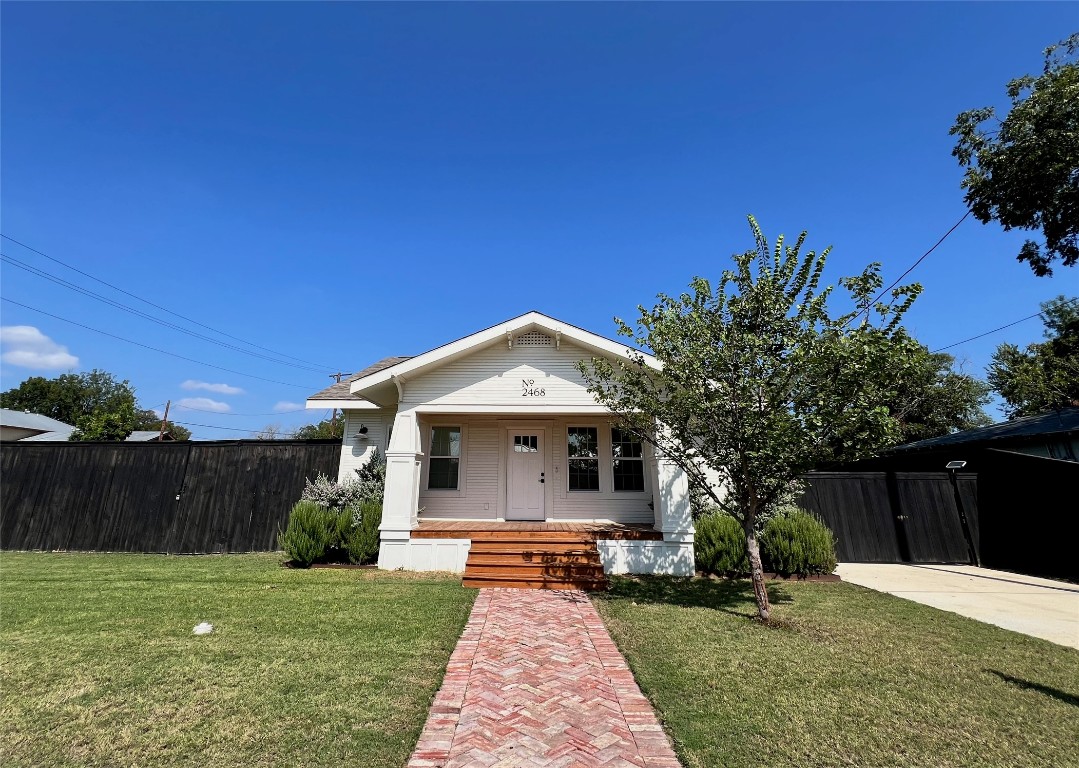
point(587, 459)
point(627, 465)
point(445, 461)
point(583, 455)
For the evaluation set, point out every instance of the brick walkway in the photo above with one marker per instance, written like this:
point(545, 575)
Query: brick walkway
point(535, 681)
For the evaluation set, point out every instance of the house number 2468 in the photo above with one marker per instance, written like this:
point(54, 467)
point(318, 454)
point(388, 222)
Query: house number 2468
point(529, 389)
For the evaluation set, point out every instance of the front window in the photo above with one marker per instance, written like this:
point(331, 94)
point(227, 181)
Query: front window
point(583, 454)
point(628, 461)
point(445, 461)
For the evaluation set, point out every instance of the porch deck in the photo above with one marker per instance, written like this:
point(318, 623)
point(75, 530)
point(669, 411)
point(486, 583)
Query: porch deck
point(468, 529)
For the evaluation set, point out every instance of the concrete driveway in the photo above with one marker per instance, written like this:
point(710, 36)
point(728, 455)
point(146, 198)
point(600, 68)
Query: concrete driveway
point(1037, 607)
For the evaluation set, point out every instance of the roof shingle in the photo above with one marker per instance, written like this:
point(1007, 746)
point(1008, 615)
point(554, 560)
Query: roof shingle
point(340, 390)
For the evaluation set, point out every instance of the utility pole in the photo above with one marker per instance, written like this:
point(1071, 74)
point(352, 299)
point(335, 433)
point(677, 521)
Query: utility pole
point(333, 411)
point(164, 421)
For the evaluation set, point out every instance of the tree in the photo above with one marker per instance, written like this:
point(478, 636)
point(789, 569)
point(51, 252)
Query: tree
point(757, 383)
point(70, 396)
point(113, 425)
point(270, 432)
point(1025, 173)
point(147, 419)
point(324, 430)
point(1044, 376)
point(935, 399)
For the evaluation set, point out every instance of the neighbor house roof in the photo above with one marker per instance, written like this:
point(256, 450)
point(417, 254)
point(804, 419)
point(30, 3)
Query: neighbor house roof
point(26, 420)
point(1056, 422)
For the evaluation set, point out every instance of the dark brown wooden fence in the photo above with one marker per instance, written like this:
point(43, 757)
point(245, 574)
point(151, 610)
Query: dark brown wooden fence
point(896, 517)
point(186, 497)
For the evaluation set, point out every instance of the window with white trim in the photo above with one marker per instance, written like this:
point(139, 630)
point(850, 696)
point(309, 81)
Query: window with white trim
point(627, 461)
point(583, 457)
point(444, 468)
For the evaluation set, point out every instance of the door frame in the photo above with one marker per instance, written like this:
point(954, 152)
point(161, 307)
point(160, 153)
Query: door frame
point(506, 430)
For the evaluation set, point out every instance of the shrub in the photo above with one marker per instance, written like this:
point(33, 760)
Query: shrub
point(312, 531)
point(720, 545)
point(361, 544)
point(795, 542)
point(372, 478)
point(332, 494)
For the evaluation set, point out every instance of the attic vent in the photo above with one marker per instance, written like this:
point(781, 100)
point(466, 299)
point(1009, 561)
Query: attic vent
point(534, 339)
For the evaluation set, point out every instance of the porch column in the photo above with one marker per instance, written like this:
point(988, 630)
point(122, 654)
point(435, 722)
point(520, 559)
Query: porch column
point(401, 500)
point(673, 515)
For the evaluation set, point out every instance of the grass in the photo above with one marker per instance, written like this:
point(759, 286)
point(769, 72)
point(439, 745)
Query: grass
point(312, 668)
point(848, 677)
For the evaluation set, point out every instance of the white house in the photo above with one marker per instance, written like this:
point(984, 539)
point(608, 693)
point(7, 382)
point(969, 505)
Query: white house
point(494, 437)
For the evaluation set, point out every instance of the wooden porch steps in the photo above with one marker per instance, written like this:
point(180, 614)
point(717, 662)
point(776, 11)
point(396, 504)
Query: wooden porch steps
point(534, 560)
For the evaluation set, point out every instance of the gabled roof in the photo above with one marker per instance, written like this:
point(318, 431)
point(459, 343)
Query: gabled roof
point(503, 332)
point(340, 390)
point(1056, 422)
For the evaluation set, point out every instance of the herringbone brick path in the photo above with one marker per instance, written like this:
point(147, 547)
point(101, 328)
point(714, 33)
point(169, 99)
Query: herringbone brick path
point(536, 681)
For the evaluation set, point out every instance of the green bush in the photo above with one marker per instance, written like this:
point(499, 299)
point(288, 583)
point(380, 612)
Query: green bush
point(361, 543)
point(312, 532)
point(795, 542)
point(720, 545)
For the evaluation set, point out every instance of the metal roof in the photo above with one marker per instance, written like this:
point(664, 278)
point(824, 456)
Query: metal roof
point(25, 420)
point(1056, 422)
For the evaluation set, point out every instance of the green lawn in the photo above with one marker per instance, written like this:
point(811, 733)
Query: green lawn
point(849, 677)
point(306, 668)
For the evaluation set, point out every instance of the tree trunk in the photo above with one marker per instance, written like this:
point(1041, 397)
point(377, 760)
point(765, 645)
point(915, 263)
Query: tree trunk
point(756, 570)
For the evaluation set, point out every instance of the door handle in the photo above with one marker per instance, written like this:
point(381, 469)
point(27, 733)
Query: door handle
point(541, 477)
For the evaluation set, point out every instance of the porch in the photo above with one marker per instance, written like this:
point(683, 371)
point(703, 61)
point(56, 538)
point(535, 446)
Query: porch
point(594, 531)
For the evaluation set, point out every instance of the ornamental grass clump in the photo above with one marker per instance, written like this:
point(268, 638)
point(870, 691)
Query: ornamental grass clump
point(796, 543)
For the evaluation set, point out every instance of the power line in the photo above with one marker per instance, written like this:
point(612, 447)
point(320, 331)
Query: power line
point(211, 426)
point(155, 349)
point(230, 413)
point(1001, 328)
point(106, 300)
point(163, 309)
point(911, 267)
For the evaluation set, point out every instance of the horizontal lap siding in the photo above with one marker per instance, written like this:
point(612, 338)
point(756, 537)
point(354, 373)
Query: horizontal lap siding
point(481, 479)
point(356, 452)
point(493, 376)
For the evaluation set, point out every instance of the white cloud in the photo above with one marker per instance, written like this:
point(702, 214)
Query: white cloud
point(27, 347)
point(285, 405)
point(221, 389)
point(205, 404)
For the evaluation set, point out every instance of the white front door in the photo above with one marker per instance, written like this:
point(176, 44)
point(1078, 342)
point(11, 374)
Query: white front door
point(525, 482)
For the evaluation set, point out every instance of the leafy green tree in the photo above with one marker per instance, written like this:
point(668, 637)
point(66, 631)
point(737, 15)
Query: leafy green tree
point(1044, 376)
point(70, 396)
point(324, 430)
point(100, 406)
point(147, 419)
point(106, 424)
point(1023, 171)
point(758, 383)
point(935, 399)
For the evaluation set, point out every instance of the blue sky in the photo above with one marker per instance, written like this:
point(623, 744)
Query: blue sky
point(341, 182)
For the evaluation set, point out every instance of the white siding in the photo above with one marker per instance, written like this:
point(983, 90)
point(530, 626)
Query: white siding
point(494, 376)
point(484, 442)
point(356, 452)
point(480, 476)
